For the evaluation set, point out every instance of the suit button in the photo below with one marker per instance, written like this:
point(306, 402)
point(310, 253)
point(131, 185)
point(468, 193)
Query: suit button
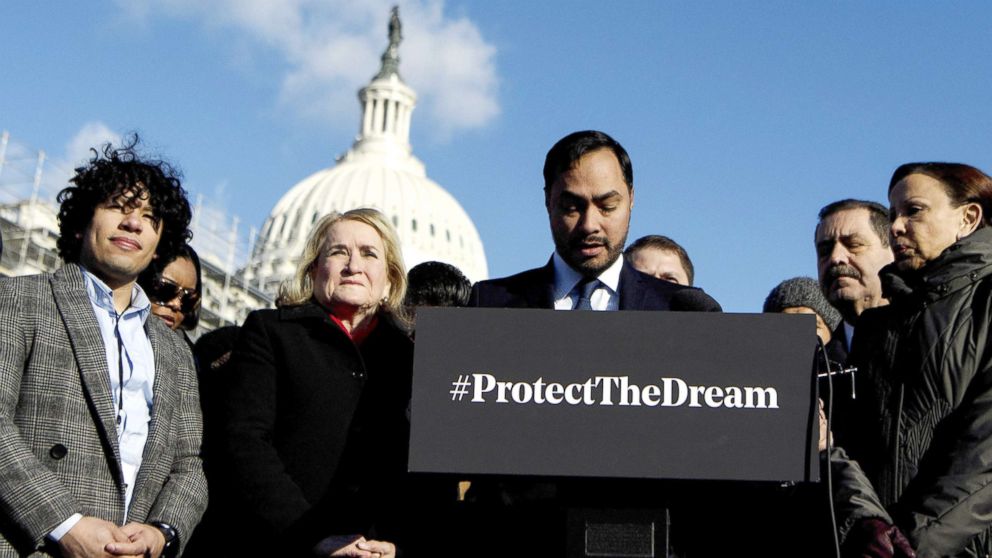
point(58, 451)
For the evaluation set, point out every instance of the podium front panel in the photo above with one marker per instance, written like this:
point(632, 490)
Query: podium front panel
point(677, 395)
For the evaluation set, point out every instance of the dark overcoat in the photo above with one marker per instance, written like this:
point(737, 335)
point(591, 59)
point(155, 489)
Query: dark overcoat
point(316, 429)
point(923, 424)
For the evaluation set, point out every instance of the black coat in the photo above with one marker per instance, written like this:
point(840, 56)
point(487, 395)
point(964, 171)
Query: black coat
point(923, 430)
point(316, 429)
point(837, 348)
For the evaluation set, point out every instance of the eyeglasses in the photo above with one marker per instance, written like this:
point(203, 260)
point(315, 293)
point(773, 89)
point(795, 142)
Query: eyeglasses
point(162, 291)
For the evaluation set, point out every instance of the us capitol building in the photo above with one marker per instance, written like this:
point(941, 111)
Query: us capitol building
point(241, 272)
point(378, 171)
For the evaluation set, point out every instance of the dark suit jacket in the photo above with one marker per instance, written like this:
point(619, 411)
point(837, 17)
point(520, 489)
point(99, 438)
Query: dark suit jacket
point(534, 289)
point(58, 441)
point(316, 429)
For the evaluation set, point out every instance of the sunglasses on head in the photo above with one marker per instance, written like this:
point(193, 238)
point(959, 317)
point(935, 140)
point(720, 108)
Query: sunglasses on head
point(162, 291)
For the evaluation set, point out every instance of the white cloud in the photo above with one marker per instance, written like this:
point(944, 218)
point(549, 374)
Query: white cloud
point(332, 48)
point(93, 135)
point(60, 168)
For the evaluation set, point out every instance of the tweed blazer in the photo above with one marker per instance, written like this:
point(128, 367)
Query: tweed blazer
point(58, 443)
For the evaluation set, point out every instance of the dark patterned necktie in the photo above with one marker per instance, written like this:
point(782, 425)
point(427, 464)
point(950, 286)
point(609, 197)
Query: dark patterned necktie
point(584, 290)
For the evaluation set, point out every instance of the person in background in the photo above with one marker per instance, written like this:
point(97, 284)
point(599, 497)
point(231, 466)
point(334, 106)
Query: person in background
point(212, 352)
point(661, 257)
point(852, 246)
point(175, 287)
point(100, 424)
point(213, 349)
point(316, 426)
point(923, 428)
point(441, 285)
point(801, 295)
point(435, 284)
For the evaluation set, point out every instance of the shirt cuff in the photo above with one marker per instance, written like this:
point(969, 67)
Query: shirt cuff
point(64, 527)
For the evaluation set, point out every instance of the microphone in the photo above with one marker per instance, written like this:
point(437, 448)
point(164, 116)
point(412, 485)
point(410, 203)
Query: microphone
point(693, 300)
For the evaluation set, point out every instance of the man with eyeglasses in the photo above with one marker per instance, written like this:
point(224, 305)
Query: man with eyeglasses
point(100, 425)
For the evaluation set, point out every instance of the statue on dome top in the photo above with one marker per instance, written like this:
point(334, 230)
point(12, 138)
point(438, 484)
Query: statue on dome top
point(391, 57)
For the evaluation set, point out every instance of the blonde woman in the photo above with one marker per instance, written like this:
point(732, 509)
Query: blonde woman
point(316, 426)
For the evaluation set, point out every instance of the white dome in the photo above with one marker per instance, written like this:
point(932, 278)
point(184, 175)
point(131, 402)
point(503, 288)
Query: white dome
point(379, 171)
point(431, 225)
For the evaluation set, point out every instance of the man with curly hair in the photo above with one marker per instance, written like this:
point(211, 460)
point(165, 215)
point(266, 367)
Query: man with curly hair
point(100, 425)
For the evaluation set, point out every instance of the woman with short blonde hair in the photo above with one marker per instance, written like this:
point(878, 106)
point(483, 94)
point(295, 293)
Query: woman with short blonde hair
point(317, 428)
point(299, 289)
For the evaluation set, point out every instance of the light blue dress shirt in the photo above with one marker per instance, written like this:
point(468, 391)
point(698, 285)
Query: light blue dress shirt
point(606, 296)
point(135, 363)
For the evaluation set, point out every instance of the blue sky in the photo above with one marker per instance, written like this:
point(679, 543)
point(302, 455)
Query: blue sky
point(742, 118)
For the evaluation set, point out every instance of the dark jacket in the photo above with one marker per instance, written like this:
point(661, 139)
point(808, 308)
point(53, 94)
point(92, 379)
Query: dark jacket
point(316, 430)
point(837, 348)
point(638, 291)
point(923, 425)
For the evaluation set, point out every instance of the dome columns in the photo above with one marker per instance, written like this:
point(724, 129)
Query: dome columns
point(387, 107)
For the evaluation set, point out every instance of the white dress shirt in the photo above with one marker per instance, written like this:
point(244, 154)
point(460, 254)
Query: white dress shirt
point(606, 296)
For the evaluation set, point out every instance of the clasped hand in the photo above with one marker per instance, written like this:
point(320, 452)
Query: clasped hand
point(95, 537)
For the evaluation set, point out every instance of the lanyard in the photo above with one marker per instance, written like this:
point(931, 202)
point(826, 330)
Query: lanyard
point(120, 374)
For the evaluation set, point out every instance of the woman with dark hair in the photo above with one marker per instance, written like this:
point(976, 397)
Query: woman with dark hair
point(316, 408)
point(174, 288)
point(922, 427)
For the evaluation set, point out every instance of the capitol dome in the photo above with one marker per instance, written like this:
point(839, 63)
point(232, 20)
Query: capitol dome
point(378, 171)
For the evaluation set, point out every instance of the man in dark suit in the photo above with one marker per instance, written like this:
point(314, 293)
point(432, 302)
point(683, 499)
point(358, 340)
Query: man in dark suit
point(99, 415)
point(852, 245)
point(589, 193)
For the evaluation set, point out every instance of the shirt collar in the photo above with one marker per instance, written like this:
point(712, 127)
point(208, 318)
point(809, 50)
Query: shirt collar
point(566, 278)
point(103, 296)
point(848, 333)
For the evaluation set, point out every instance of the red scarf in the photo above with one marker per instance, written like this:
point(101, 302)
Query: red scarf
point(356, 338)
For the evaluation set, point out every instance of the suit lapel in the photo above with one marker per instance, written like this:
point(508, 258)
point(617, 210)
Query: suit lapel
point(540, 294)
point(163, 391)
point(76, 310)
point(630, 289)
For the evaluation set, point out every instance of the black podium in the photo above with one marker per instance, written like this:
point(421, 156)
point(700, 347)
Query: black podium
point(580, 398)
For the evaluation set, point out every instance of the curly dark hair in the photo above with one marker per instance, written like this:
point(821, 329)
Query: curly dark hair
point(117, 171)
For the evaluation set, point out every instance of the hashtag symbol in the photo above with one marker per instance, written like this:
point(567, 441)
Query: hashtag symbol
point(460, 387)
